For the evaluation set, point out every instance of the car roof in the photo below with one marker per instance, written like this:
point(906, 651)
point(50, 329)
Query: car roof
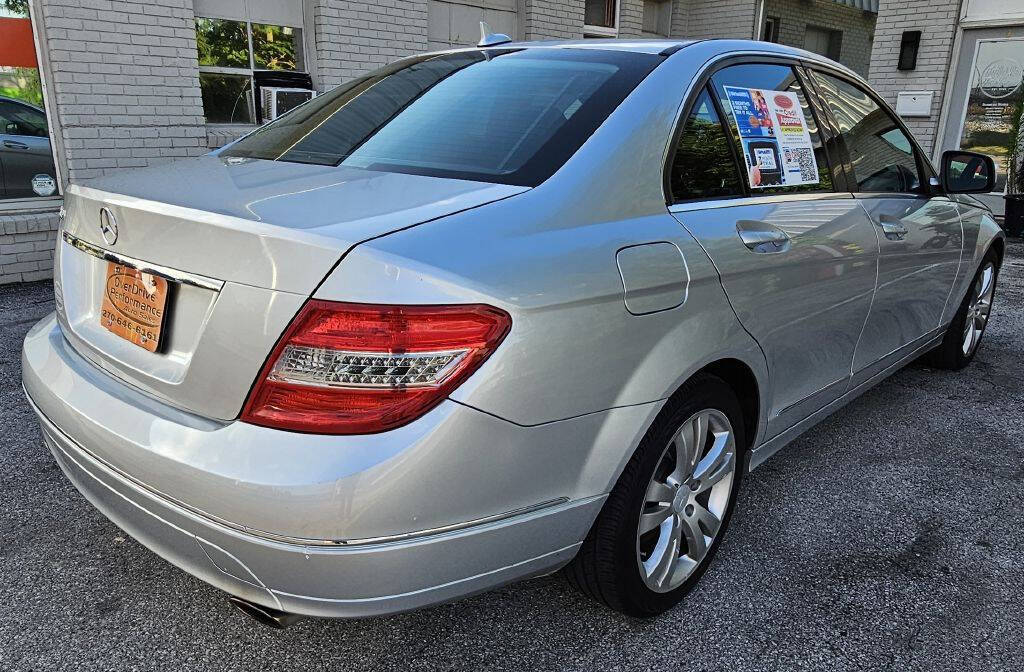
point(649, 46)
point(668, 46)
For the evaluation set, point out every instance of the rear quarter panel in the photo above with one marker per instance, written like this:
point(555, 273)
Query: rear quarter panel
point(548, 257)
point(574, 348)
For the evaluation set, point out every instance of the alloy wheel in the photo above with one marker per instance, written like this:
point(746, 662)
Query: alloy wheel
point(686, 500)
point(979, 307)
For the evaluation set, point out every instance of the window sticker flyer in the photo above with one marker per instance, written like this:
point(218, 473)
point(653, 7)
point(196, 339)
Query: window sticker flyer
point(776, 144)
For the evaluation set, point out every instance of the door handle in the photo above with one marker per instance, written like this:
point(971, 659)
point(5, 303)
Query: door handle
point(762, 237)
point(14, 144)
point(892, 227)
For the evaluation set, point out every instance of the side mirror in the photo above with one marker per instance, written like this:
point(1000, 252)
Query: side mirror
point(11, 128)
point(967, 172)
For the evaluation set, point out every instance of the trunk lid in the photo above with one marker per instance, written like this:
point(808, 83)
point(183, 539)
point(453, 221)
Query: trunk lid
point(243, 243)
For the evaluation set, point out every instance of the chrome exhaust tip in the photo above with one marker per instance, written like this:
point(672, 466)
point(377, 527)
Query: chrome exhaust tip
point(272, 618)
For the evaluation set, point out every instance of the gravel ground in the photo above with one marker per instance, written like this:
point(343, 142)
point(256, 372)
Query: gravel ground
point(888, 537)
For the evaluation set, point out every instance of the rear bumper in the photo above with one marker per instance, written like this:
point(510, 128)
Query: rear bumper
point(359, 581)
point(129, 457)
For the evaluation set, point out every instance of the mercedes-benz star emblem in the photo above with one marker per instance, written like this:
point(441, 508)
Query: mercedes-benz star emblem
point(108, 226)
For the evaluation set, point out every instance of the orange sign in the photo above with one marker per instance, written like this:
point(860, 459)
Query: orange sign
point(17, 50)
point(133, 305)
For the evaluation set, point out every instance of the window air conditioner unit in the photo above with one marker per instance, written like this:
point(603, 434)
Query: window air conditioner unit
point(276, 100)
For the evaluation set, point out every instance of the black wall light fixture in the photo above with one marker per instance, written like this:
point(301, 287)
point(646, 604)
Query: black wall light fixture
point(909, 46)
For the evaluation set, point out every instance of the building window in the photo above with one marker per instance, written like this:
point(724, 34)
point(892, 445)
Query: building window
point(231, 53)
point(601, 18)
point(27, 168)
point(771, 29)
point(828, 43)
point(657, 18)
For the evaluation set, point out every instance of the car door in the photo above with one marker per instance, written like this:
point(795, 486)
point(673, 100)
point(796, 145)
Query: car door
point(795, 251)
point(919, 231)
point(25, 151)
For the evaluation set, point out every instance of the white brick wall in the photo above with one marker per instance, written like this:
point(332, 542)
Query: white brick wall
point(26, 246)
point(353, 37)
point(552, 19)
point(631, 18)
point(680, 18)
point(936, 19)
point(708, 19)
point(125, 82)
point(857, 27)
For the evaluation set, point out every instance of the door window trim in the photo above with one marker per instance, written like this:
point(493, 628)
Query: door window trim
point(831, 137)
point(925, 170)
point(701, 82)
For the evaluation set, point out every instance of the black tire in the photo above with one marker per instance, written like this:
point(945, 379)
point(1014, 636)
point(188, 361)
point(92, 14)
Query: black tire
point(606, 567)
point(950, 353)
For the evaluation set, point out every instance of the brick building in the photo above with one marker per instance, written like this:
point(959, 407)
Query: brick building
point(108, 85)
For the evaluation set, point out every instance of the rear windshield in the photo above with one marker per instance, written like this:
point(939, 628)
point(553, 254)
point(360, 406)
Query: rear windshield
point(512, 116)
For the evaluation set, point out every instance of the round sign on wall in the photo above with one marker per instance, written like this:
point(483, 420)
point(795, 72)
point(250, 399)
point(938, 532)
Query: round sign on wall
point(1001, 78)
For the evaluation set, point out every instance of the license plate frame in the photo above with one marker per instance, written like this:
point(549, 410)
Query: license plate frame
point(134, 305)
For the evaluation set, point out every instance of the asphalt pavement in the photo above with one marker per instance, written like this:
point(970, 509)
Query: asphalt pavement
point(888, 537)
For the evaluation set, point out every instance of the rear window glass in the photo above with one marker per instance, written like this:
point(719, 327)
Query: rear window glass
point(510, 116)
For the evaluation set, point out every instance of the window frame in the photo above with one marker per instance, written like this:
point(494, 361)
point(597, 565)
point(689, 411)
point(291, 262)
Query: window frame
point(668, 28)
point(53, 129)
point(703, 81)
point(925, 170)
point(834, 37)
point(605, 31)
point(249, 72)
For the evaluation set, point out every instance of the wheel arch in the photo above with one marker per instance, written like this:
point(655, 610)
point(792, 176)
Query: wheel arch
point(998, 245)
point(741, 379)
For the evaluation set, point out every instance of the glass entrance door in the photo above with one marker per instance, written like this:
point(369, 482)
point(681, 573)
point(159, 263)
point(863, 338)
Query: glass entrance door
point(989, 94)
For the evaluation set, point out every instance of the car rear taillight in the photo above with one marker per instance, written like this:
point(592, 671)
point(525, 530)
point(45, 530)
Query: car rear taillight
point(350, 368)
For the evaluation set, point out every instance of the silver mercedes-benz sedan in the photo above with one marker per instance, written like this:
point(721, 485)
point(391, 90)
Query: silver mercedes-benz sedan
point(488, 313)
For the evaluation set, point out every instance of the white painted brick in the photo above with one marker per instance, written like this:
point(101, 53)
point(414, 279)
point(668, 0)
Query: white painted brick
point(857, 27)
point(122, 66)
point(936, 19)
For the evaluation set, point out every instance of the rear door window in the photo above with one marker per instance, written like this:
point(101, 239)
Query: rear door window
point(881, 154)
point(774, 127)
point(703, 165)
point(512, 116)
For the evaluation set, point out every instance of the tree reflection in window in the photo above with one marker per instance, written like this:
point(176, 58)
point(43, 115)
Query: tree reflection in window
point(703, 166)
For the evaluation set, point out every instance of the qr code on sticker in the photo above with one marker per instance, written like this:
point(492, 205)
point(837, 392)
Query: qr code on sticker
point(805, 157)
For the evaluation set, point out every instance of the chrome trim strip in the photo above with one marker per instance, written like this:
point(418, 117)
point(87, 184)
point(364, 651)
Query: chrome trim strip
point(49, 427)
point(823, 388)
point(171, 274)
point(735, 202)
